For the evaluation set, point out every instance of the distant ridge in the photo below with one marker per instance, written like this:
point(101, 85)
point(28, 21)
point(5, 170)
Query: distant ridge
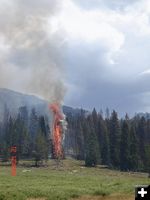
point(14, 100)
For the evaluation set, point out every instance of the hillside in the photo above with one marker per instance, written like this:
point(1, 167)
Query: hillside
point(91, 138)
point(14, 100)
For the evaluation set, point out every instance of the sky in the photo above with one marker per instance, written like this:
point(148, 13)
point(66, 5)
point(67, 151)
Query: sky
point(94, 52)
point(107, 54)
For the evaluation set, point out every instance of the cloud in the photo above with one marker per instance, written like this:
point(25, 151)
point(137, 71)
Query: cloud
point(30, 52)
point(103, 44)
point(104, 63)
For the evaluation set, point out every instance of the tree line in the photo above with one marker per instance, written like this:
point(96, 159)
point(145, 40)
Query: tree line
point(122, 144)
point(28, 132)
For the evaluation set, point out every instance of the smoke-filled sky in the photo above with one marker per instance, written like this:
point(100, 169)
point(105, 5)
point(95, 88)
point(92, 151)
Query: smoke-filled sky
point(92, 53)
point(30, 52)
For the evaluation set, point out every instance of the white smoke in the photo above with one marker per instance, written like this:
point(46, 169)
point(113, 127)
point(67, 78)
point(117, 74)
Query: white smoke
point(64, 128)
point(30, 52)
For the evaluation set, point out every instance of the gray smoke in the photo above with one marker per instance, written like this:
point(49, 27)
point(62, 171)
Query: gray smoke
point(30, 52)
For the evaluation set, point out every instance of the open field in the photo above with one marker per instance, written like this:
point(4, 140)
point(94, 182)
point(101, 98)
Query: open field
point(71, 181)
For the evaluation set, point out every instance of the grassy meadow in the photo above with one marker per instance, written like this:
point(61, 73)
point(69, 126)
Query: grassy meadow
point(70, 181)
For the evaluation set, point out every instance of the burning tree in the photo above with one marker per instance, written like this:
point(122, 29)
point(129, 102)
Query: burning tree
point(58, 130)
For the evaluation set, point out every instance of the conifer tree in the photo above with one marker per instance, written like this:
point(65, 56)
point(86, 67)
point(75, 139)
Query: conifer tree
point(141, 132)
point(34, 124)
point(124, 146)
point(105, 151)
point(134, 153)
point(114, 140)
point(91, 145)
point(40, 152)
point(103, 140)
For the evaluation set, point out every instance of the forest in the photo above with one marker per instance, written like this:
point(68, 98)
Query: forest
point(122, 144)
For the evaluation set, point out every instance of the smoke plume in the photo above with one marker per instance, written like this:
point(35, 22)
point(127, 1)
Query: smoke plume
point(30, 52)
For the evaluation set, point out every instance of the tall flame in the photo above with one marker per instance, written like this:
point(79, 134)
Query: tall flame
point(57, 132)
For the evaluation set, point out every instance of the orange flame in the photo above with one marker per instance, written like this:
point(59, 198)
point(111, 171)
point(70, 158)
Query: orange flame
point(57, 130)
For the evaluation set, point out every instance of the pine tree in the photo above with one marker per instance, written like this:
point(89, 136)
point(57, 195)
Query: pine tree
point(25, 153)
point(80, 139)
point(147, 155)
point(124, 146)
point(103, 140)
point(91, 145)
point(141, 132)
point(20, 133)
point(34, 125)
point(134, 158)
point(96, 125)
point(114, 140)
point(42, 126)
point(40, 152)
point(105, 151)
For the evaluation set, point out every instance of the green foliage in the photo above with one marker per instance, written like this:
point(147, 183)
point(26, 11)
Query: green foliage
point(92, 150)
point(5, 152)
point(141, 132)
point(114, 140)
point(51, 184)
point(103, 141)
point(147, 150)
point(27, 139)
point(133, 150)
point(124, 146)
point(91, 158)
point(118, 143)
point(41, 149)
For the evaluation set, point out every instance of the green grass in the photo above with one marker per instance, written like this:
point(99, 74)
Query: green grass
point(69, 181)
